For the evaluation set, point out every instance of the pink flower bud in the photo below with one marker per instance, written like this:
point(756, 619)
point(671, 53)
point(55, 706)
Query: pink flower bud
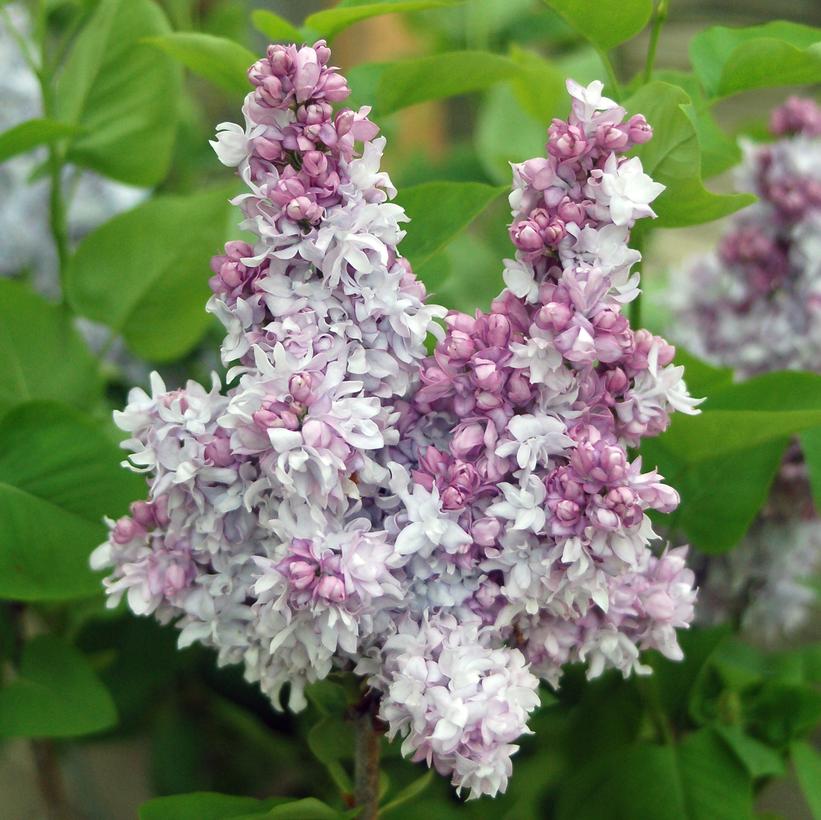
point(639, 130)
point(218, 452)
point(525, 236)
point(126, 530)
point(485, 531)
point(331, 588)
point(467, 439)
point(299, 386)
point(314, 163)
point(143, 513)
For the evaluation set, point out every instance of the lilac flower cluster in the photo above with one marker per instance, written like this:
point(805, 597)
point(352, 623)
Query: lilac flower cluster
point(755, 304)
point(447, 527)
point(765, 585)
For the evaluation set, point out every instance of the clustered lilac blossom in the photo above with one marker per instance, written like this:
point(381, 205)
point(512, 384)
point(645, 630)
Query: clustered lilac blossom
point(450, 527)
point(755, 304)
point(765, 585)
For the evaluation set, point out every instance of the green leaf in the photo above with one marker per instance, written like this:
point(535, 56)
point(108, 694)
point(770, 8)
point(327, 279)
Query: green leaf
point(715, 785)
point(465, 275)
point(332, 740)
point(723, 461)
point(605, 25)
point(811, 448)
point(759, 759)
point(439, 211)
point(676, 681)
point(413, 81)
point(30, 134)
point(729, 60)
point(275, 28)
point(673, 158)
point(56, 694)
point(790, 390)
point(221, 61)
point(59, 475)
point(506, 133)
point(330, 22)
point(807, 763)
point(34, 336)
point(328, 697)
point(145, 273)
point(702, 378)
point(724, 432)
point(539, 87)
point(410, 792)
point(202, 806)
point(121, 93)
point(780, 712)
point(720, 495)
point(699, 779)
point(308, 809)
point(719, 151)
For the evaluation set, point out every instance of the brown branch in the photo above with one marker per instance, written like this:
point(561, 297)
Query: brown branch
point(366, 763)
point(50, 779)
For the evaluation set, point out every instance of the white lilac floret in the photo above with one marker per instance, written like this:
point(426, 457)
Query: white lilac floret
point(450, 527)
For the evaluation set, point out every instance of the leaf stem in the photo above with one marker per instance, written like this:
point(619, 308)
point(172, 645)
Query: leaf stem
point(366, 762)
point(659, 18)
point(57, 206)
point(21, 41)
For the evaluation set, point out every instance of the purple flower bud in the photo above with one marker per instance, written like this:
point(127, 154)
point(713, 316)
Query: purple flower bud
point(302, 574)
point(569, 211)
point(299, 386)
point(519, 389)
point(616, 381)
point(566, 141)
point(485, 531)
point(612, 138)
point(314, 163)
point(219, 452)
point(554, 316)
point(468, 439)
point(275, 414)
point(554, 232)
point(639, 130)
point(497, 330)
point(143, 514)
point(331, 589)
point(126, 530)
point(303, 208)
point(526, 237)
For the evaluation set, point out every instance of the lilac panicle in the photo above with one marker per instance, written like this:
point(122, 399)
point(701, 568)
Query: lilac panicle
point(755, 305)
point(452, 527)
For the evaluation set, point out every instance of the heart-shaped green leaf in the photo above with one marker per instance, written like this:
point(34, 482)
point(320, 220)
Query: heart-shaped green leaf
point(145, 273)
point(59, 475)
point(56, 694)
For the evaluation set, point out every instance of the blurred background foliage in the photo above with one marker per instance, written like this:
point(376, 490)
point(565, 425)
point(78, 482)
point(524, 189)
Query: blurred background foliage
point(130, 91)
